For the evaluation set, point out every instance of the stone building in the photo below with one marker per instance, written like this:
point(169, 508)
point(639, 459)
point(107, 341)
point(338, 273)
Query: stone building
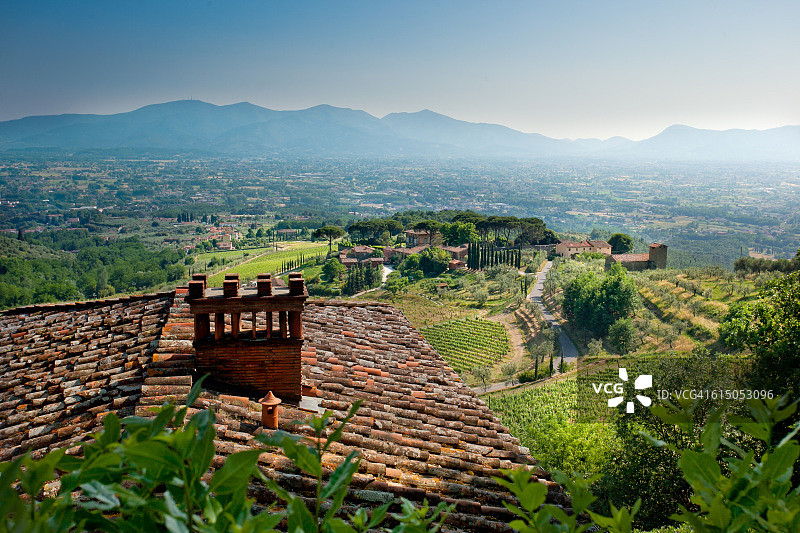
point(418, 237)
point(572, 248)
point(359, 255)
point(656, 257)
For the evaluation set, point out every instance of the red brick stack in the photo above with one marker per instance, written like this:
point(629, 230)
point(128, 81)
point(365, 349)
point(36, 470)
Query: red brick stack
point(261, 360)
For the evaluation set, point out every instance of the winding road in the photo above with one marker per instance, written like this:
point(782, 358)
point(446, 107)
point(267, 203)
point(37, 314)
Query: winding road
point(569, 352)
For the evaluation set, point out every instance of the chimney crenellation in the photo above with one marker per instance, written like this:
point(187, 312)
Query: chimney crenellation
point(264, 357)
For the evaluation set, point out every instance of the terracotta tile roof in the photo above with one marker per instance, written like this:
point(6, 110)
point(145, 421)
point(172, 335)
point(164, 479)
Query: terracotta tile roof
point(63, 367)
point(422, 432)
point(573, 244)
point(630, 258)
point(599, 244)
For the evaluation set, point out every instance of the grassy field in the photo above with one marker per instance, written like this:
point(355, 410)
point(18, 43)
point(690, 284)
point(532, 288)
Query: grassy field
point(542, 418)
point(468, 342)
point(220, 259)
point(270, 261)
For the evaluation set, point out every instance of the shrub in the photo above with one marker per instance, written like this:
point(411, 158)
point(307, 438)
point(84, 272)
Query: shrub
point(622, 333)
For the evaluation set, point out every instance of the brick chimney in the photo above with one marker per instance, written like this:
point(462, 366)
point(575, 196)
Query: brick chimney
point(267, 356)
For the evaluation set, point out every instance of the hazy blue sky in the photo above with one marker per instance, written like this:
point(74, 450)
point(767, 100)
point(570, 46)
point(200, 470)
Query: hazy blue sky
point(589, 68)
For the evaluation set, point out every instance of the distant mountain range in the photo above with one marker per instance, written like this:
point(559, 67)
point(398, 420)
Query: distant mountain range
point(249, 130)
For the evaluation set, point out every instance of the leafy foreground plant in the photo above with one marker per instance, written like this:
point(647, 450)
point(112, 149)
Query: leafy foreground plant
point(137, 474)
point(147, 474)
point(537, 517)
point(141, 474)
point(750, 494)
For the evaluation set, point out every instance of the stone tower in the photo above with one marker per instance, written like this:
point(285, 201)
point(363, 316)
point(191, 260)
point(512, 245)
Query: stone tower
point(658, 255)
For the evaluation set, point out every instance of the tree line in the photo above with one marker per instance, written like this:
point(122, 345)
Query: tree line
point(454, 228)
point(753, 265)
point(96, 269)
point(483, 255)
point(360, 278)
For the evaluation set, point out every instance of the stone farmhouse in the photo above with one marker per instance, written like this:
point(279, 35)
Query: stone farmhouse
point(418, 237)
point(656, 257)
point(225, 242)
point(572, 248)
point(422, 432)
point(418, 240)
point(359, 255)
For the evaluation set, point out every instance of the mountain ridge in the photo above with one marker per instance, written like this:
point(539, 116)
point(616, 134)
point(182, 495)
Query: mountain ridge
point(244, 128)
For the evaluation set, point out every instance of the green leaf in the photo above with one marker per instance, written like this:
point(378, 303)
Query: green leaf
point(212, 510)
point(151, 455)
point(277, 489)
point(197, 388)
point(712, 432)
point(69, 463)
point(337, 525)
point(304, 457)
point(319, 423)
point(702, 471)
point(680, 416)
point(342, 475)
point(131, 423)
point(789, 436)
point(298, 517)
point(37, 473)
point(277, 438)
point(266, 521)
point(578, 489)
point(336, 436)
point(102, 497)
point(63, 519)
point(235, 473)
point(128, 497)
point(174, 525)
point(172, 506)
point(752, 428)
point(378, 516)
point(718, 513)
point(180, 416)
point(111, 430)
point(203, 452)
point(9, 471)
point(163, 417)
point(777, 466)
point(339, 483)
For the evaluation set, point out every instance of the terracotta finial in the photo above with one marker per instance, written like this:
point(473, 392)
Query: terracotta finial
point(270, 407)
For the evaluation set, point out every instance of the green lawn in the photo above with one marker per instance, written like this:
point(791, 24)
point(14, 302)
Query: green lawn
point(271, 262)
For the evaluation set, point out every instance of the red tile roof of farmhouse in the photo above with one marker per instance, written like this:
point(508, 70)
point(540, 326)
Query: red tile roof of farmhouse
point(630, 258)
point(363, 249)
point(421, 431)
